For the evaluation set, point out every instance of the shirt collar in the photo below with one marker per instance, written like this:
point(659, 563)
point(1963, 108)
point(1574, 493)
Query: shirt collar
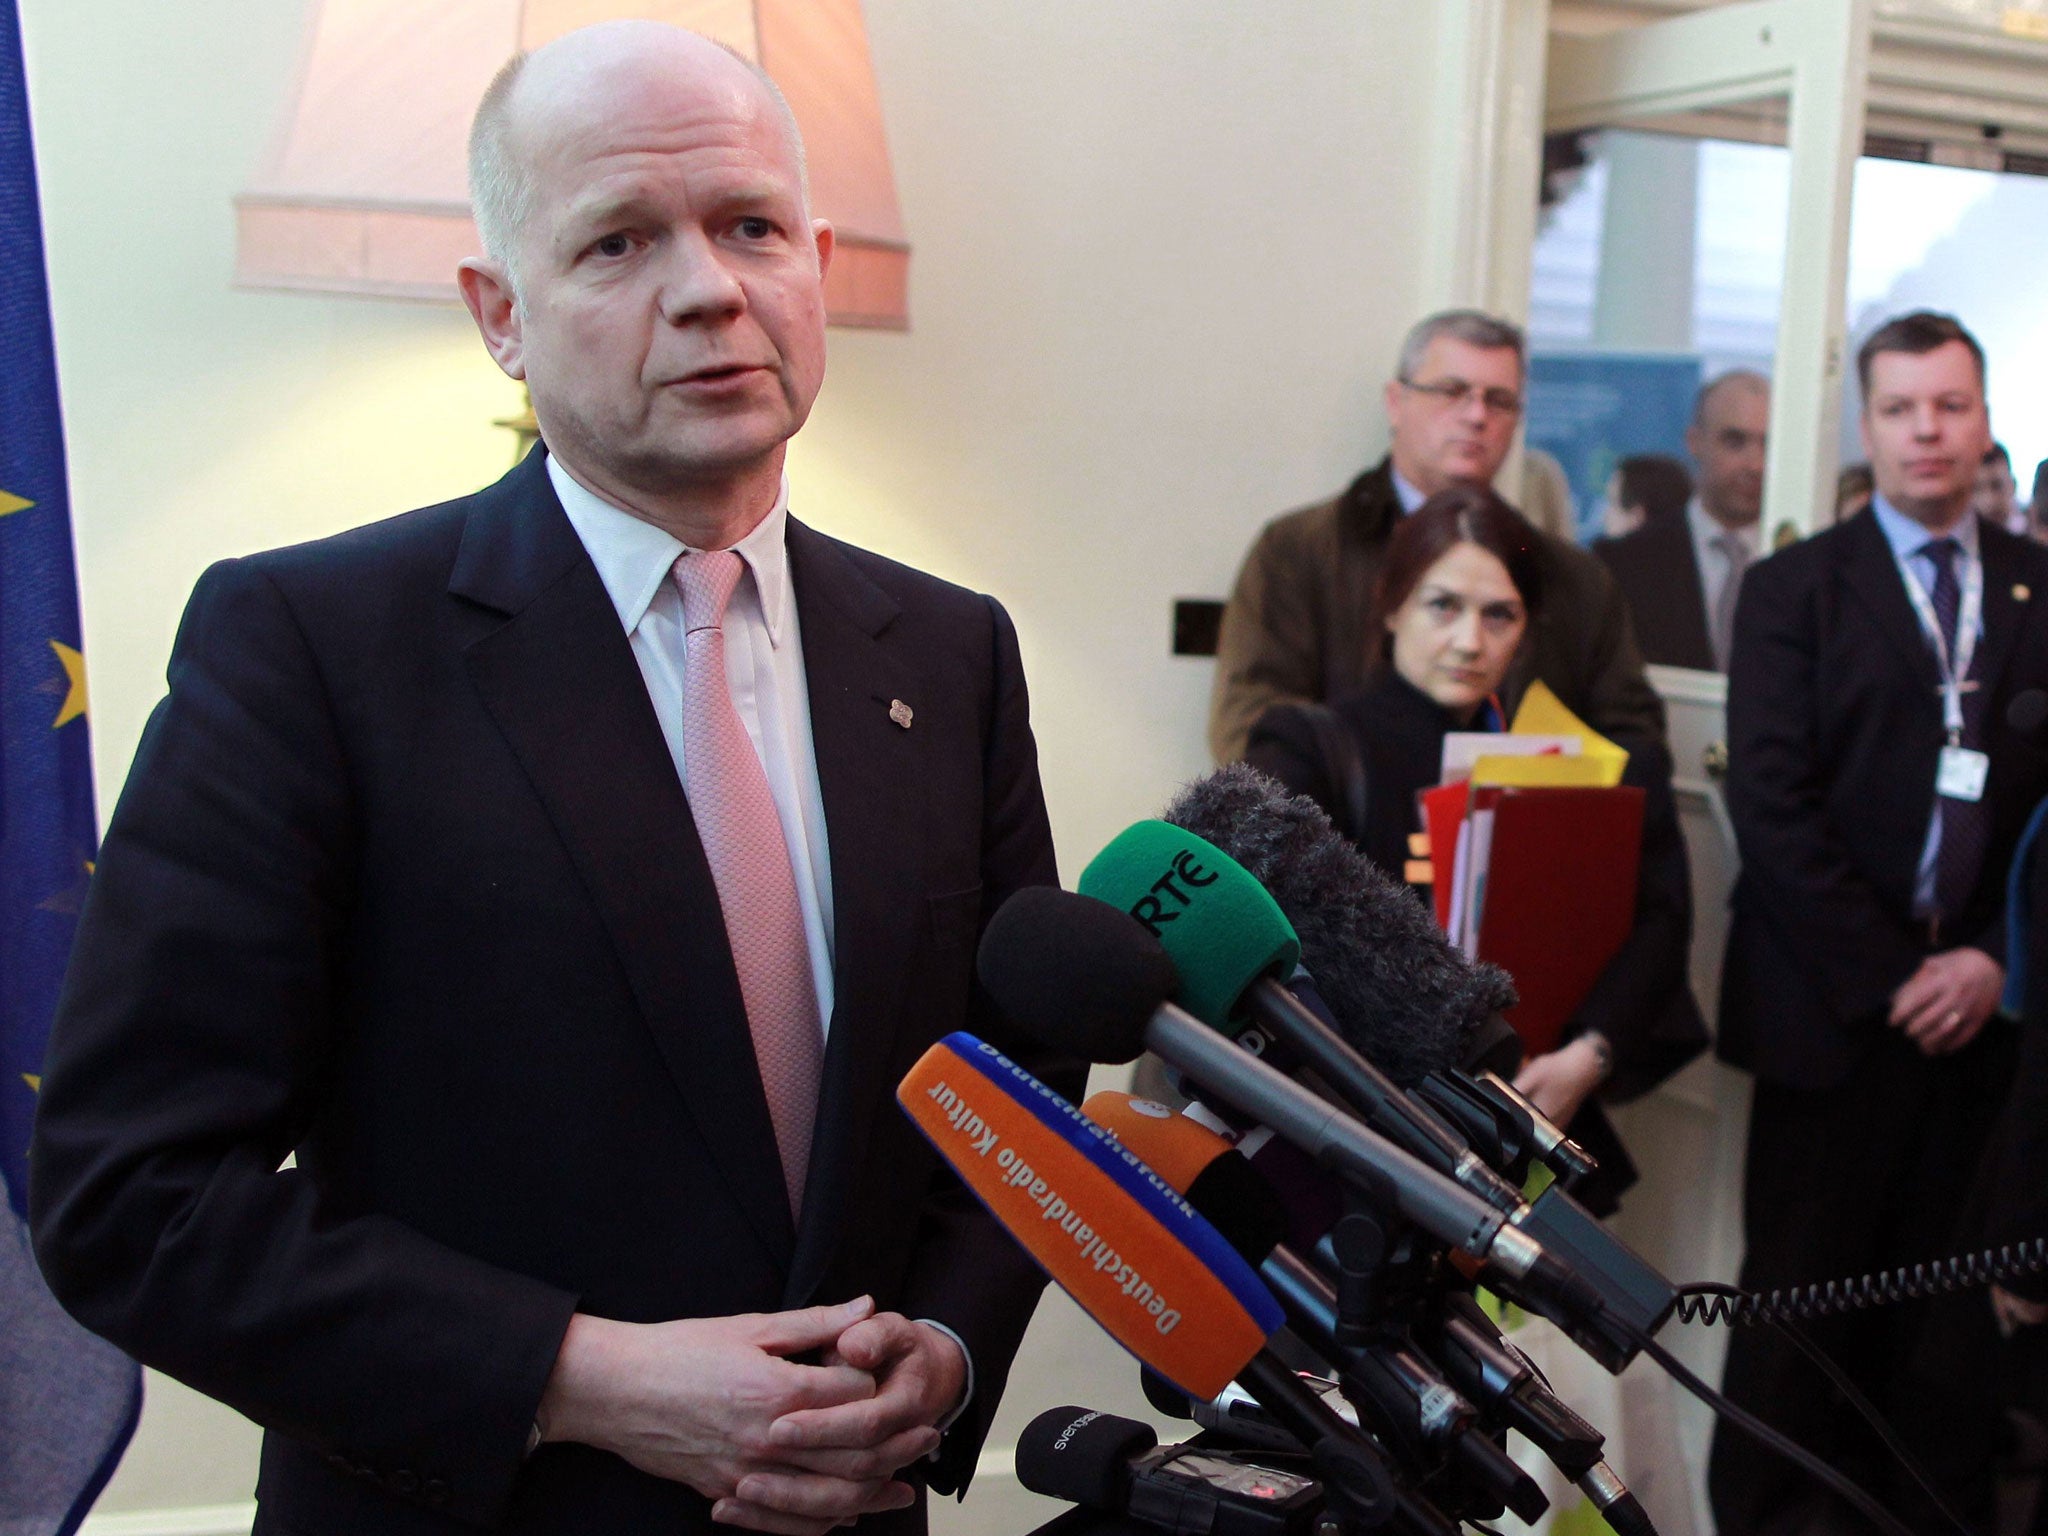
point(1409, 497)
point(1906, 537)
point(1707, 529)
point(633, 557)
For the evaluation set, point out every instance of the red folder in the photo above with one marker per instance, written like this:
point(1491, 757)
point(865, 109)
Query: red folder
point(1443, 812)
point(1560, 897)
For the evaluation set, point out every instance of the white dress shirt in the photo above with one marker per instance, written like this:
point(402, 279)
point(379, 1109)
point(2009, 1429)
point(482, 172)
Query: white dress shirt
point(1709, 558)
point(1409, 496)
point(764, 666)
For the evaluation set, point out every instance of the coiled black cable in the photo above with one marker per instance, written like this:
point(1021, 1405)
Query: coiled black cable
point(1724, 1304)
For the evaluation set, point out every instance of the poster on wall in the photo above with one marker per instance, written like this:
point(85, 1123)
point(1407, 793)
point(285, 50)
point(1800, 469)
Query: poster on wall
point(1590, 410)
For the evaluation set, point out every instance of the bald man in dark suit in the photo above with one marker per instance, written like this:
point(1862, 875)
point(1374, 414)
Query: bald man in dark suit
point(566, 875)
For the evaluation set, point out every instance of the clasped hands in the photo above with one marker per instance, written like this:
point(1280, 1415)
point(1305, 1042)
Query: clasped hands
point(721, 1404)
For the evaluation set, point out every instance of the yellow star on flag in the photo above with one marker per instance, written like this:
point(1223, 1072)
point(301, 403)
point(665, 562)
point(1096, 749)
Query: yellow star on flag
point(9, 502)
point(35, 1084)
point(73, 707)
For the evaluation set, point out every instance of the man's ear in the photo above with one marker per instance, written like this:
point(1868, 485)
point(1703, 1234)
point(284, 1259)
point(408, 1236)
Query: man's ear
point(488, 294)
point(821, 234)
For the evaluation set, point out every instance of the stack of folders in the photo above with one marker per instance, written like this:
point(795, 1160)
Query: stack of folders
point(1544, 842)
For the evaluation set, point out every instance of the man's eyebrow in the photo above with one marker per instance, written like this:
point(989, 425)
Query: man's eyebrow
point(753, 192)
point(602, 210)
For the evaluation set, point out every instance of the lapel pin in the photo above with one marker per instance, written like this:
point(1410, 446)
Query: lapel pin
point(900, 713)
point(2021, 592)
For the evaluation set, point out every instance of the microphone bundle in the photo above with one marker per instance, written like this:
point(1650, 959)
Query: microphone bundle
point(1293, 1259)
point(1399, 992)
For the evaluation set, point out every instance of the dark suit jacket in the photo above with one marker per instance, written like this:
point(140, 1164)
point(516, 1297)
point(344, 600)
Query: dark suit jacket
point(1642, 1002)
point(2016, 1185)
point(1658, 572)
point(1295, 624)
point(403, 881)
point(1834, 730)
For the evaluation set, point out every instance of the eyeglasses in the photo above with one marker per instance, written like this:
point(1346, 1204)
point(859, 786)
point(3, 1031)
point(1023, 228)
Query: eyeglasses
point(1456, 394)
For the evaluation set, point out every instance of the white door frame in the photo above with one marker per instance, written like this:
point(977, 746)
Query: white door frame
point(1816, 55)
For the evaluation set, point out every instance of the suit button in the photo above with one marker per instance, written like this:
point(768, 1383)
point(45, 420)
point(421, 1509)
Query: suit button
point(437, 1492)
point(405, 1481)
point(336, 1460)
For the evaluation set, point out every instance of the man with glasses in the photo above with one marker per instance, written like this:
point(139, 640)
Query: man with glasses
point(1681, 578)
point(1295, 625)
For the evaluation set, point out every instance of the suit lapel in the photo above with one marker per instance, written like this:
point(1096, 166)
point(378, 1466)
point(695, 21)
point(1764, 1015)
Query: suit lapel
point(559, 678)
point(1872, 575)
point(868, 774)
point(1688, 590)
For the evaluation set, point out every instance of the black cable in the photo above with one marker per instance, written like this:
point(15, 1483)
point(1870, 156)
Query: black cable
point(1872, 1417)
point(1725, 1304)
point(1747, 1422)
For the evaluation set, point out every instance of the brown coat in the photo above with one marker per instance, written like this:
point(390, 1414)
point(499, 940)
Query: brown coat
point(1295, 625)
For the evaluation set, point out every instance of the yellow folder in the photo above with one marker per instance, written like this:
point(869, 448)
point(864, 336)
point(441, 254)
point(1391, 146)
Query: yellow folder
point(1542, 713)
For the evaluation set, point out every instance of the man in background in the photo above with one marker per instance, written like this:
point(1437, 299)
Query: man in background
point(1682, 577)
point(1294, 627)
point(1996, 498)
point(563, 878)
point(1852, 491)
point(1876, 780)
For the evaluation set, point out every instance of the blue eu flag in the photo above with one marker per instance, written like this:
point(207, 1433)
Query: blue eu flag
point(68, 1402)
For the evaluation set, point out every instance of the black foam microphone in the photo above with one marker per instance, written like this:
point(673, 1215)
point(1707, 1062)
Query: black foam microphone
point(1375, 964)
point(1377, 971)
point(1082, 1456)
point(1402, 994)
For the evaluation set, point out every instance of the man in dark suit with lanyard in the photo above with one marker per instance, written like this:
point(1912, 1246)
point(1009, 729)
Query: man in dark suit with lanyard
point(1877, 768)
point(557, 882)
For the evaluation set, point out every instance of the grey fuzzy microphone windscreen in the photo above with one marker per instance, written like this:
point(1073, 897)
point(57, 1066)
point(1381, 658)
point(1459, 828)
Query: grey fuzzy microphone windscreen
point(1403, 997)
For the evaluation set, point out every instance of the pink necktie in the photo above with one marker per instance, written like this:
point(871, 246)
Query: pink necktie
point(742, 837)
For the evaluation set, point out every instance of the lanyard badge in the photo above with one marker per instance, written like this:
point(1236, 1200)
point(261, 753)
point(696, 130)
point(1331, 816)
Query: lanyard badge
point(1963, 770)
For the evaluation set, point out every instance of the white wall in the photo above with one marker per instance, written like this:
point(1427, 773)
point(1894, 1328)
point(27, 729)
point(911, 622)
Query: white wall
point(1164, 252)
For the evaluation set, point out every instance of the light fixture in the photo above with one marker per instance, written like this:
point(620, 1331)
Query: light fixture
point(363, 190)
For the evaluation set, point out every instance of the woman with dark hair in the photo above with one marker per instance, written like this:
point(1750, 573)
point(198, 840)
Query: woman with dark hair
point(1457, 591)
